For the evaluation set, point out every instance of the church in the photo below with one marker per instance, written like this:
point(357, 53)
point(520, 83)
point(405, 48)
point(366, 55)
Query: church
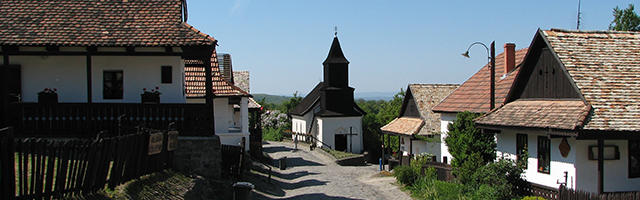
point(328, 116)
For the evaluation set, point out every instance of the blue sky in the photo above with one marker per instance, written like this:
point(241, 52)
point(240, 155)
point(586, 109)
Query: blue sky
point(389, 43)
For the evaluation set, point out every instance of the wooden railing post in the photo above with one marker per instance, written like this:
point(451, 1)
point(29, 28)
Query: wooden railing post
point(7, 164)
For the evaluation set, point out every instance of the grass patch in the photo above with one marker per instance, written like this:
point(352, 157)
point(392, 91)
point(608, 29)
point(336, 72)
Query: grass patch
point(272, 134)
point(338, 154)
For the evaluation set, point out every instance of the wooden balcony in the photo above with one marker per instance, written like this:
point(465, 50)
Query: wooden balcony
point(86, 120)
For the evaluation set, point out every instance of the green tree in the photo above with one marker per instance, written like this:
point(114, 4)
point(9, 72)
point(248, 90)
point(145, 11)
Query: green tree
point(469, 147)
point(625, 19)
point(290, 104)
point(378, 113)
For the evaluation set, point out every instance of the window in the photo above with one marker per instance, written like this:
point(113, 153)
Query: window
point(113, 87)
point(544, 154)
point(166, 74)
point(522, 149)
point(634, 158)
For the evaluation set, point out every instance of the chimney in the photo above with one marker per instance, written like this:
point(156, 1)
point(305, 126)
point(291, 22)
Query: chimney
point(509, 57)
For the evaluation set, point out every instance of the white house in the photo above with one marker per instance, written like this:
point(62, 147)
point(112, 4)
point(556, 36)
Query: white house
point(473, 94)
point(93, 53)
point(328, 114)
point(231, 104)
point(575, 109)
point(417, 119)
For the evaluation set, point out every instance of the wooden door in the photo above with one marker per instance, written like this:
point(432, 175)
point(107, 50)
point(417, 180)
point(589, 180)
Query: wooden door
point(341, 142)
point(10, 91)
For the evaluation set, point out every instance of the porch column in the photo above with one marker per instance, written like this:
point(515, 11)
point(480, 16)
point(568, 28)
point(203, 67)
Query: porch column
point(600, 165)
point(5, 56)
point(382, 160)
point(244, 114)
point(399, 150)
point(89, 89)
point(208, 85)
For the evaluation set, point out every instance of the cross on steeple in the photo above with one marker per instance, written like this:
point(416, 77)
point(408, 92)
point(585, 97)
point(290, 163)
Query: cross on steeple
point(335, 29)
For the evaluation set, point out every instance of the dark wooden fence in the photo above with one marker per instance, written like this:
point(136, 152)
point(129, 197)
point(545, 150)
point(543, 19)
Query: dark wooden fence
point(443, 170)
point(46, 168)
point(85, 120)
point(541, 191)
point(7, 175)
point(233, 160)
point(569, 194)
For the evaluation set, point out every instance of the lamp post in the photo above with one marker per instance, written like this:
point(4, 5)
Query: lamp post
point(492, 67)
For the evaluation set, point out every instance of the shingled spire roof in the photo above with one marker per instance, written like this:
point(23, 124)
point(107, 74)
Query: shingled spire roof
point(335, 53)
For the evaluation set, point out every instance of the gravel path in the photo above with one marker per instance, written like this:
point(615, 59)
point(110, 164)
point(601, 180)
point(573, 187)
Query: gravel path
point(314, 175)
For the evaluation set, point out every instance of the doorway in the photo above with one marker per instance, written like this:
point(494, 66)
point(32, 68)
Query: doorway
point(10, 90)
point(341, 142)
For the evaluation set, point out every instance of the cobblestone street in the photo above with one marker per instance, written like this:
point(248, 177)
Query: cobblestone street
point(314, 175)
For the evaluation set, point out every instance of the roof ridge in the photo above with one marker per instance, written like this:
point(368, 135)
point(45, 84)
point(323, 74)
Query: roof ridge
point(592, 31)
point(207, 36)
point(434, 84)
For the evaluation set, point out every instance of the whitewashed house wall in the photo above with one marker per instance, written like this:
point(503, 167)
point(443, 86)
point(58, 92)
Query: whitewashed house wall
point(581, 172)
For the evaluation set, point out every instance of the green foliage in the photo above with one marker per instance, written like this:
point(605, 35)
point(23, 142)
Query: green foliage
point(272, 134)
point(533, 198)
point(406, 175)
point(430, 188)
point(282, 103)
point(467, 144)
point(378, 114)
point(290, 104)
point(625, 19)
point(503, 176)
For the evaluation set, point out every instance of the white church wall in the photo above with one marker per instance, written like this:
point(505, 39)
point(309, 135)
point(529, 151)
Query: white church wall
point(329, 126)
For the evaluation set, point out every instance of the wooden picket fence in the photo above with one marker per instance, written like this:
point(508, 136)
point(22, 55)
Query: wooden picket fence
point(46, 168)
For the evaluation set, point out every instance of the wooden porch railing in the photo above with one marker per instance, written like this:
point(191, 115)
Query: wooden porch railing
point(85, 120)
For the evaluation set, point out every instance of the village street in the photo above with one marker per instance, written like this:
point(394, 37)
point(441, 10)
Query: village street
point(313, 175)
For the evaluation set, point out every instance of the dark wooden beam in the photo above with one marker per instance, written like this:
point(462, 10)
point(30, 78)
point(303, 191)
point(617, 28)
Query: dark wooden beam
point(5, 58)
point(131, 50)
point(89, 77)
point(53, 49)
point(69, 53)
point(600, 165)
point(382, 158)
point(208, 85)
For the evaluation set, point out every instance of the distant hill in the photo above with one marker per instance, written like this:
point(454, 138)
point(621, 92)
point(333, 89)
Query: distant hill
point(274, 99)
point(374, 95)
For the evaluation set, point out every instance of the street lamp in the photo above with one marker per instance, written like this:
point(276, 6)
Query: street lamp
point(492, 66)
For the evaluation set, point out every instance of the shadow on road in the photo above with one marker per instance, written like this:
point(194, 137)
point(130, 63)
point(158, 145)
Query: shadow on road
point(312, 196)
point(297, 162)
point(275, 149)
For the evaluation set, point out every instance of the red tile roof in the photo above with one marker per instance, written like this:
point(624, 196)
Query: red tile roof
point(558, 114)
point(97, 23)
point(473, 94)
point(605, 66)
point(194, 73)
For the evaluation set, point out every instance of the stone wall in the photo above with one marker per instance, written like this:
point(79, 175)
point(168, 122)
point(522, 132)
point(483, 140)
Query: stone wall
point(199, 155)
point(241, 79)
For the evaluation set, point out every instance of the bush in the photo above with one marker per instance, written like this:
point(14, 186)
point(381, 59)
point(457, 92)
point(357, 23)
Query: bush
point(405, 174)
point(504, 177)
point(533, 198)
point(272, 134)
point(429, 188)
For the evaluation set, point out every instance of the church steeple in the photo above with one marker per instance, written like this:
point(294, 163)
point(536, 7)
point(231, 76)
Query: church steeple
point(335, 53)
point(336, 67)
